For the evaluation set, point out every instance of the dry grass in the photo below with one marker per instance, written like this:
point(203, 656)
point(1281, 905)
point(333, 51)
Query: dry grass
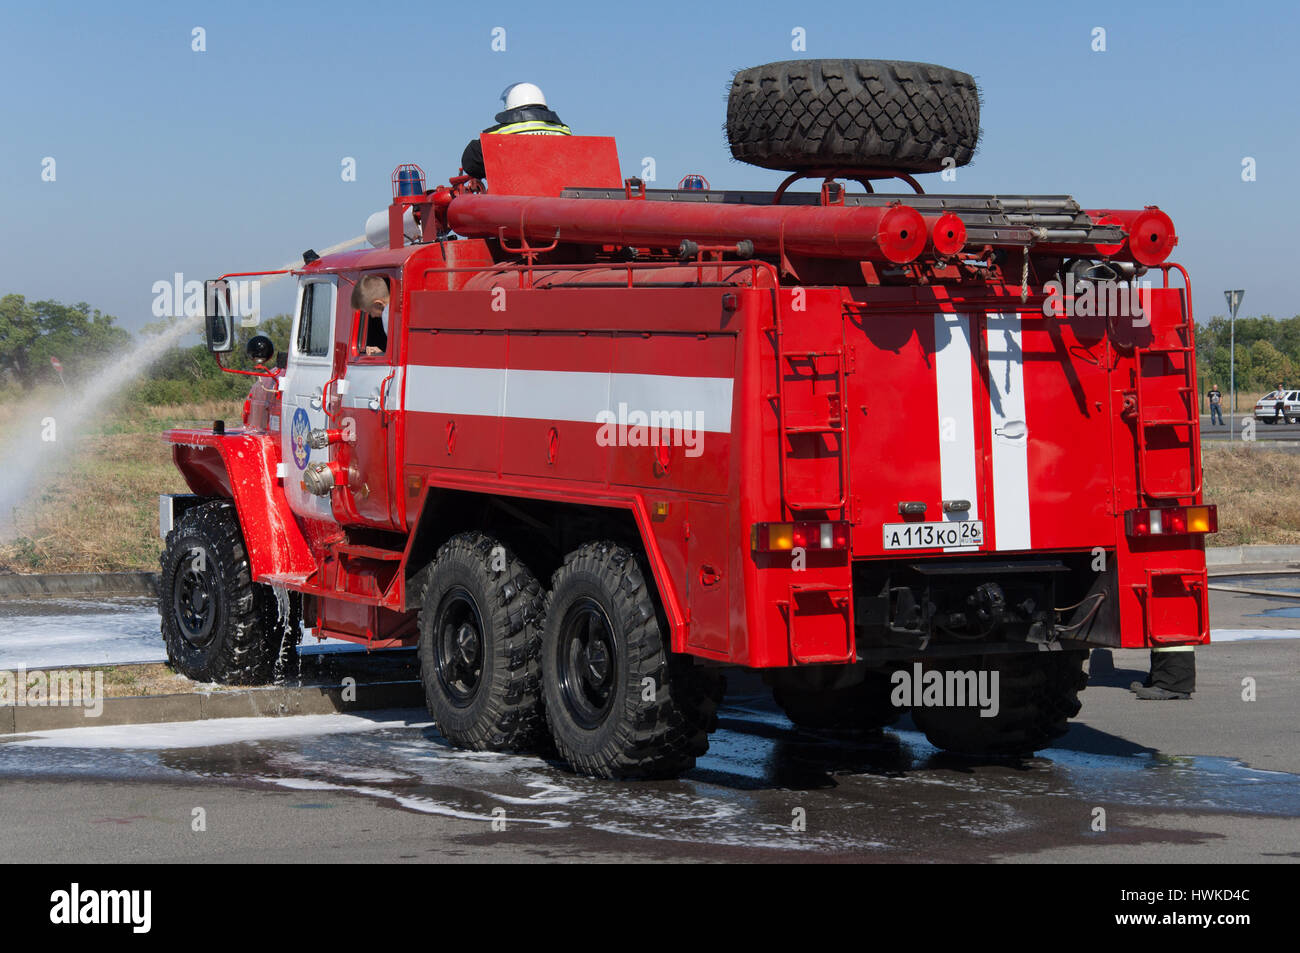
point(136, 681)
point(133, 681)
point(96, 509)
point(1257, 493)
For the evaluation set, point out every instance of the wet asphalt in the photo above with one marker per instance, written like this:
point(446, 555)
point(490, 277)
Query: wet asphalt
point(1213, 779)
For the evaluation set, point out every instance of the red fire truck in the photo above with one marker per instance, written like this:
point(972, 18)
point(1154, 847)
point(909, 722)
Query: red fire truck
point(613, 440)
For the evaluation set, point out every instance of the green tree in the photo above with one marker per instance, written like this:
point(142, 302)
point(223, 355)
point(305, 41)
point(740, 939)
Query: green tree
point(80, 337)
point(18, 333)
point(1269, 365)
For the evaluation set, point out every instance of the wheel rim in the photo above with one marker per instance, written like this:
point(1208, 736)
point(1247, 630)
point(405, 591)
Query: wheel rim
point(194, 598)
point(586, 663)
point(459, 646)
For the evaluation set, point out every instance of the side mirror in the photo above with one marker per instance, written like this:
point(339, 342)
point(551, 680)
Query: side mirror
point(219, 321)
point(260, 348)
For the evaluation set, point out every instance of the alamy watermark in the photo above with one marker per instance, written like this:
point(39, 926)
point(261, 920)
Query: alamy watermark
point(179, 298)
point(54, 688)
point(655, 428)
point(1097, 298)
point(936, 688)
point(133, 908)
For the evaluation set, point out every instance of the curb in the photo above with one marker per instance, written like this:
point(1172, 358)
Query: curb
point(19, 585)
point(1238, 555)
point(252, 703)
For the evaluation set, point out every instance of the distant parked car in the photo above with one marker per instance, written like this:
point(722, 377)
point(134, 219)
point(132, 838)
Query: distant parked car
point(1266, 406)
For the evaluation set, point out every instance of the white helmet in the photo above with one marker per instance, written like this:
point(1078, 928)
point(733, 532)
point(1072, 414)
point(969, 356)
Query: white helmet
point(522, 94)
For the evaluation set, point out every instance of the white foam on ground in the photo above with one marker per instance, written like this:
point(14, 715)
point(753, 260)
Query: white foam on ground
point(122, 634)
point(99, 632)
point(1251, 635)
point(414, 802)
point(204, 734)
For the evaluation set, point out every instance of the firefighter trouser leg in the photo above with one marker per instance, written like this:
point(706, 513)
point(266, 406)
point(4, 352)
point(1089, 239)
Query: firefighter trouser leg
point(1174, 668)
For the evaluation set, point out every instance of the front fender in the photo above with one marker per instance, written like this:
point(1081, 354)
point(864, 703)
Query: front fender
point(242, 467)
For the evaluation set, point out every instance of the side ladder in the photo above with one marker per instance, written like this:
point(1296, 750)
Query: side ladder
point(810, 419)
point(1168, 368)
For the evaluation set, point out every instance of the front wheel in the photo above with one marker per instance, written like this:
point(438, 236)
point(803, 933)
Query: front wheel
point(619, 704)
point(218, 625)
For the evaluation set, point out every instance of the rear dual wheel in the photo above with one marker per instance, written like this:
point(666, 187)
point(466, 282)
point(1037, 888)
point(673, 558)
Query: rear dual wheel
point(618, 702)
point(501, 663)
point(863, 706)
point(1038, 694)
point(479, 646)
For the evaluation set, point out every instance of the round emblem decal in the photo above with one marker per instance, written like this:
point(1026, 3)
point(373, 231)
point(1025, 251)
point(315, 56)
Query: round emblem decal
point(298, 435)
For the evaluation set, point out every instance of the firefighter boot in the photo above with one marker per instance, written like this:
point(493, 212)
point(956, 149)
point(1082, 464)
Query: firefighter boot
point(1173, 674)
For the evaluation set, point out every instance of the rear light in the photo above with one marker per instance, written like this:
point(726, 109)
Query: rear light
point(1172, 521)
point(783, 537)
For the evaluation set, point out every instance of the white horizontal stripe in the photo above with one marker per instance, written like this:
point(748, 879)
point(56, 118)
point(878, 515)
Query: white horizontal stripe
point(708, 398)
point(365, 381)
point(539, 395)
point(579, 396)
point(456, 390)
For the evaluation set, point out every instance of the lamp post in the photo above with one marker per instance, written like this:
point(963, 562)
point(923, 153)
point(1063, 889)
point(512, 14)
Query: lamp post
point(1234, 302)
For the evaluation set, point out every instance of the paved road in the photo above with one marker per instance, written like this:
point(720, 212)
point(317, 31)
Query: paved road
point(1276, 436)
point(1213, 779)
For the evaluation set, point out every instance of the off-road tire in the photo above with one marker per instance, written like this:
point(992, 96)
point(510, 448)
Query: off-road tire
point(229, 634)
point(865, 706)
point(601, 591)
point(1039, 694)
point(824, 114)
point(476, 581)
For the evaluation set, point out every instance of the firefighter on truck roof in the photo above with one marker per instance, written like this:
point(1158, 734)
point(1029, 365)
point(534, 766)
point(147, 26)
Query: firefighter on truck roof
point(526, 114)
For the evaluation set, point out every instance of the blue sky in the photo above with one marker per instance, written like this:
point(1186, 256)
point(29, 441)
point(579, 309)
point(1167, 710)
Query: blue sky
point(173, 160)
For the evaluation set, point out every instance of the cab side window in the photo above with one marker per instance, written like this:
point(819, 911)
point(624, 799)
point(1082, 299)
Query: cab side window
point(372, 338)
point(374, 322)
point(314, 325)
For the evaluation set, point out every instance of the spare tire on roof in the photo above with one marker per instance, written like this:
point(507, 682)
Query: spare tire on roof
point(801, 115)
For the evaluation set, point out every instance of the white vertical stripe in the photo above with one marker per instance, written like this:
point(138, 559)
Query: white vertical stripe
point(954, 381)
point(1009, 435)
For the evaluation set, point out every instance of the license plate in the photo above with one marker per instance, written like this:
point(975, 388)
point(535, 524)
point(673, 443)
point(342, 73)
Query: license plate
point(934, 535)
